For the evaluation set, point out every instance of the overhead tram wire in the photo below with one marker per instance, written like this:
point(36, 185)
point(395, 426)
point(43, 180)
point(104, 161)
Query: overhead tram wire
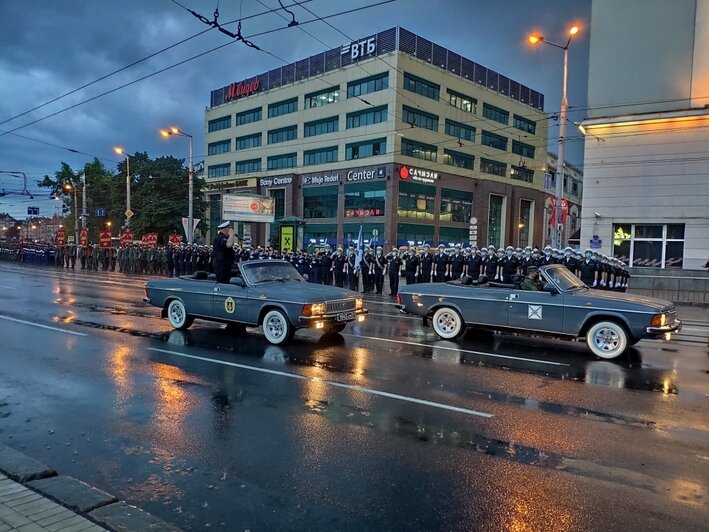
point(184, 61)
point(72, 150)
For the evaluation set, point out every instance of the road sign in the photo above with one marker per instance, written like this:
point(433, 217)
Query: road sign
point(129, 213)
point(595, 242)
point(100, 212)
point(32, 211)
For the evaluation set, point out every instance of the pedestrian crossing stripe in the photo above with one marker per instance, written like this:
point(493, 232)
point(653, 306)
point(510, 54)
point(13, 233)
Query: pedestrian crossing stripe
point(229, 305)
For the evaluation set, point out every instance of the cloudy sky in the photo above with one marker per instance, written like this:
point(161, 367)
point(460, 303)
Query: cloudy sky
point(52, 47)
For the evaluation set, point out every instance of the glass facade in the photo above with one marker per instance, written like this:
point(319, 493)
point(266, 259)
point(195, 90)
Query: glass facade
point(316, 235)
point(283, 134)
point(460, 131)
point(414, 234)
point(351, 231)
point(495, 221)
point(522, 173)
point(320, 202)
point(454, 235)
point(649, 246)
point(321, 127)
point(365, 199)
point(463, 102)
point(526, 210)
point(214, 204)
point(488, 166)
point(282, 108)
point(524, 124)
point(416, 201)
point(215, 148)
point(247, 117)
point(457, 159)
point(494, 141)
point(363, 86)
point(219, 123)
point(320, 156)
point(248, 141)
point(495, 113)
point(249, 166)
point(525, 150)
point(421, 86)
point(218, 170)
point(323, 97)
point(419, 150)
point(279, 202)
point(367, 117)
point(419, 118)
point(368, 148)
point(279, 162)
point(456, 206)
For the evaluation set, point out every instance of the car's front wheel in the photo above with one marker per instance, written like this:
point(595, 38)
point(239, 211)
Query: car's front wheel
point(276, 327)
point(447, 323)
point(607, 339)
point(177, 315)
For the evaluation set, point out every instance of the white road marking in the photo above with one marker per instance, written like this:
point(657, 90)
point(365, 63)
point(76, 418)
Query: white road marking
point(482, 353)
point(8, 318)
point(335, 384)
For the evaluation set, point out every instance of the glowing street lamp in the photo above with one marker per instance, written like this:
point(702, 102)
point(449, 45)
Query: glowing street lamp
point(190, 216)
point(556, 236)
point(121, 151)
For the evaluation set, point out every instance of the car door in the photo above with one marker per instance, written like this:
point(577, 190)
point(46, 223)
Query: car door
point(198, 297)
point(230, 302)
point(536, 310)
point(485, 306)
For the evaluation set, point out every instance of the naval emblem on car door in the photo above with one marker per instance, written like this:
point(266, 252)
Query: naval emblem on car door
point(534, 312)
point(229, 305)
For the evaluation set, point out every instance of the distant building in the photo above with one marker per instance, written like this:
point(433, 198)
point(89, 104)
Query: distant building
point(573, 192)
point(646, 193)
point(413, 141)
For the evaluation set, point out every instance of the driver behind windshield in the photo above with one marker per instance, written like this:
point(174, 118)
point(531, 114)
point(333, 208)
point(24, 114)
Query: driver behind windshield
point(532, 281)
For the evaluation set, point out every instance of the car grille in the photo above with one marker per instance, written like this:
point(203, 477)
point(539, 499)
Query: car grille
point(341, 305)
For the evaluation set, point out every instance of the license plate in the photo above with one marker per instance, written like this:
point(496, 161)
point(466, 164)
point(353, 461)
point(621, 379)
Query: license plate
point(346, 316)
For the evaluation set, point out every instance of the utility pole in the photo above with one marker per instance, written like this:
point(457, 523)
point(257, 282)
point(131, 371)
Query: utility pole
point(84, 214)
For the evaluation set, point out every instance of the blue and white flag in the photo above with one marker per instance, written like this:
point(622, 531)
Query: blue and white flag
point(360, 251)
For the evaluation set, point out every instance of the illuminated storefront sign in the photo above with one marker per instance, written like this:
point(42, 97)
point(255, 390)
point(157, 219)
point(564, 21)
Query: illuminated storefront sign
point(321, 179)
point(363, 212)
point(241, 89)
point(365, 175)
point(418, 174)
point(275, 181)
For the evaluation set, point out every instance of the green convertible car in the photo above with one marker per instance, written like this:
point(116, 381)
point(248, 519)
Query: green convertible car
point(564, 307)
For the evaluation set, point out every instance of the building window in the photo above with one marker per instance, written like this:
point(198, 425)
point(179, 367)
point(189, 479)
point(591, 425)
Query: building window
point(279, 162)
point(524, 227)
point(649, 246)
point(214, 203)
point(320, 202)
point(368, 148)
point(246, 117)
point(421, 86)
point(414, 234)
point(279, 202)
point(525, 150)
point(374, 83)
point(460, 131)
point(522, 123)
point(417, 201)
point(215, 148)
point(454, 235)
point(367, 117)
point(321, 127)
point(457, 159)
point(522, 173)
point(282, 134)
point(323, 97)
point(320, 156)
point(496, 220)
point(456, 206)
point(461, 101)
point(488, 166)
point(282, 108)
point(364, 199)
point(419, 150)
point(219, 123)
point(496, 114)
point(248, 141)
point(419, 118)
point(494, 141)
point(219, 170)
point(575, 188)
point(248, 167)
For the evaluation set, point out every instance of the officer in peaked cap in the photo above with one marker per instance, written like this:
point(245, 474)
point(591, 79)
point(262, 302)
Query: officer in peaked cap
point(223, 246)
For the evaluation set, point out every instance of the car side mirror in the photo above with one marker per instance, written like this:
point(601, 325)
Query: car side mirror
point(238, 281)
point(548, 287)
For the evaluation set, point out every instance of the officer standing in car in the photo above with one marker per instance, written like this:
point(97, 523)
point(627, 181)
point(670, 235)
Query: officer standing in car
point(223, 247)
point(393, 267)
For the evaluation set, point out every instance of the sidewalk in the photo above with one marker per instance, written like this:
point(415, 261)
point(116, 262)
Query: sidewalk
point(25, 510)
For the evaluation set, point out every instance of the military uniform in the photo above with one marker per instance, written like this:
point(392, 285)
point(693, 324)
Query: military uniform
point(440, 266)
point(393, 269)
point(380, 263)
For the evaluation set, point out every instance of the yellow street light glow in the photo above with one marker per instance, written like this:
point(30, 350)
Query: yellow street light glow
point(164, 133)
point(108, 224)
point(573, 30)
point(535, 39)
point(67, 186)
point(119, 150)
point(174, 130)
point(627, 123)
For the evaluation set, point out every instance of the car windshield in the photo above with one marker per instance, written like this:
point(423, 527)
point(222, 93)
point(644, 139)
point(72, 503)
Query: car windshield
point(269, 271)
point(563, 278)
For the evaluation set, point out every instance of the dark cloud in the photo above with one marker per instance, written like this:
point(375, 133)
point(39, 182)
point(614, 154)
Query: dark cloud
point(49, 48)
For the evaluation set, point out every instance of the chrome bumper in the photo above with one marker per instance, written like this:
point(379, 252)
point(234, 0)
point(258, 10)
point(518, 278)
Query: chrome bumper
point(675, 326)
point(332, 317)
point(146, 300)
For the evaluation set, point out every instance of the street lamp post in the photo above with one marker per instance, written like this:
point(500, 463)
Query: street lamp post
point(122, 151)
point(190, 199)
point(557, 235)
point(69, 187)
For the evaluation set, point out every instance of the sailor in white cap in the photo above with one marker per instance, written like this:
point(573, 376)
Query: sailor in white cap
point(223, 252)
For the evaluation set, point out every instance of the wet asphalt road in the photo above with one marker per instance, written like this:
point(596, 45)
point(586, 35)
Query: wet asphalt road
point(382, 428)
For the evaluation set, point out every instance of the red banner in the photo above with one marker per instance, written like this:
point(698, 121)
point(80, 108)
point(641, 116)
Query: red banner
point(60, 237)
point(84, 238)
point(175, 239)
point(126, 238)
point(105, 241)
point(150, 240)
point(564, 211)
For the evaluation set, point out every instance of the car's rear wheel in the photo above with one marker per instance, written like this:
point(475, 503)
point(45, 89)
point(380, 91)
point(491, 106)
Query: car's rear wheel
point(276, 327)
point(177, 315)
point(447, 323)
point(607, 339)
point(335, 328)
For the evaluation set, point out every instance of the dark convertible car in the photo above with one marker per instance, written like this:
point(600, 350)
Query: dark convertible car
point(564, 307)
point(270, 293)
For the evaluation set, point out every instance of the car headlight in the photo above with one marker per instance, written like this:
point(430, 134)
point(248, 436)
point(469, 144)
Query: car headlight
point(317, 308)
point(359, 303)
point(660, 320)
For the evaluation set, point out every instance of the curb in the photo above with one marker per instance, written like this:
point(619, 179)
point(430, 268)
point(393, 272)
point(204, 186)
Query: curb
point(85, 500)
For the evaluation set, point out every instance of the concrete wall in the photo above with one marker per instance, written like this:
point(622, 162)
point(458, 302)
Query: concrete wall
point(672, 285)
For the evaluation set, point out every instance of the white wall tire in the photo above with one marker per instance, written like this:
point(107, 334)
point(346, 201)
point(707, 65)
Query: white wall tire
point(607, 340)
point(177, 315)
point(447, 323)
point(276, 327)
